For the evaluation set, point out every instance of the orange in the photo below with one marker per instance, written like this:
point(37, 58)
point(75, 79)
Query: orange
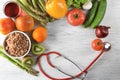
point(40, 34)
point(6, 25)
point(24, 23)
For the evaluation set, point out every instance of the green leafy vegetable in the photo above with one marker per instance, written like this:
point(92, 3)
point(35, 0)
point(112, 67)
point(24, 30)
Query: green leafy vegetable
point(75, 3)
point(69, 3)
point(82, 1)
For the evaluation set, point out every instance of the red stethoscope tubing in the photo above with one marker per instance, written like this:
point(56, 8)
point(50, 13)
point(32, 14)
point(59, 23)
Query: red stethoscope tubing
point(52, 52)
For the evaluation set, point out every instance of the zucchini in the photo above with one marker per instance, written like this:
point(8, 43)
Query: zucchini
point(91, 14)
point(99, 14)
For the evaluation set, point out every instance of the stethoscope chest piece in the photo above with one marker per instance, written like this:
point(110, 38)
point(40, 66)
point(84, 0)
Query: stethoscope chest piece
point(107, 46)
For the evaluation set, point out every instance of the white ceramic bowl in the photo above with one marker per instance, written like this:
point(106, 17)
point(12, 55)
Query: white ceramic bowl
point(25, 36)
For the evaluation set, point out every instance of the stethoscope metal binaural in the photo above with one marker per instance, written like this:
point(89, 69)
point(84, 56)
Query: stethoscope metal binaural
point(107, 47)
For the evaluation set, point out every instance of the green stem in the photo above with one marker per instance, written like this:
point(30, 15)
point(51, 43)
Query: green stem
point(39, 5)
point(30, 2)
point(42, 4)
point(34, 3)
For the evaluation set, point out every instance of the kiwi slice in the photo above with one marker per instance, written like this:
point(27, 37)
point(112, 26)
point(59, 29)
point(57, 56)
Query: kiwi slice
point(28, 61)
point(37, 49)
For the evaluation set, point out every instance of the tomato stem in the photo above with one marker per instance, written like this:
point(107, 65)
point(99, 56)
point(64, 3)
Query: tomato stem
point(98, 43)
point(75, 16)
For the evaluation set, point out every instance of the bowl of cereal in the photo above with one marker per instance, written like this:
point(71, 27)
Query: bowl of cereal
point(17, 44)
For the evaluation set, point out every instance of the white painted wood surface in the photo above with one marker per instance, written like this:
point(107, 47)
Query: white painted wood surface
point(74, 42)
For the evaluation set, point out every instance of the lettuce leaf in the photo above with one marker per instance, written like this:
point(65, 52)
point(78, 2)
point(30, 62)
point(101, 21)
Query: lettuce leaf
point(75, 3)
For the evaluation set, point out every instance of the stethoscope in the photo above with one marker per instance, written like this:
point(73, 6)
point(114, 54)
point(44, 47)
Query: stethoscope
point(107, 47)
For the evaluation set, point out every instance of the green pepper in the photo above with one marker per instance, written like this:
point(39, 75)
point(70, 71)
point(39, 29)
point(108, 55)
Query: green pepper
point(37, 49)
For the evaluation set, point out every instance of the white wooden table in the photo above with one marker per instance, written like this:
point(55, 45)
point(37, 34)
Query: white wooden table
point(74, 42)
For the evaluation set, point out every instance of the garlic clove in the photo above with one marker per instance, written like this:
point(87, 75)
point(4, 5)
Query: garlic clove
point(87, 5)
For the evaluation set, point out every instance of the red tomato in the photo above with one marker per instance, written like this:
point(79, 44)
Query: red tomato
point(97, 44)
point(76, 17)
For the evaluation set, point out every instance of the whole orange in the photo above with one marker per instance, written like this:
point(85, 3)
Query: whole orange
point(6, 25)
point(24, 23)
point(40, 34)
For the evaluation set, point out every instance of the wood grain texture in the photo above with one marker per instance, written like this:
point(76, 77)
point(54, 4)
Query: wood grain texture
point(74, 42)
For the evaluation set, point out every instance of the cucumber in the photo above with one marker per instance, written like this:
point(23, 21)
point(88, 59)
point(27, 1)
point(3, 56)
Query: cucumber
point(91, 14)
point(99, 14)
